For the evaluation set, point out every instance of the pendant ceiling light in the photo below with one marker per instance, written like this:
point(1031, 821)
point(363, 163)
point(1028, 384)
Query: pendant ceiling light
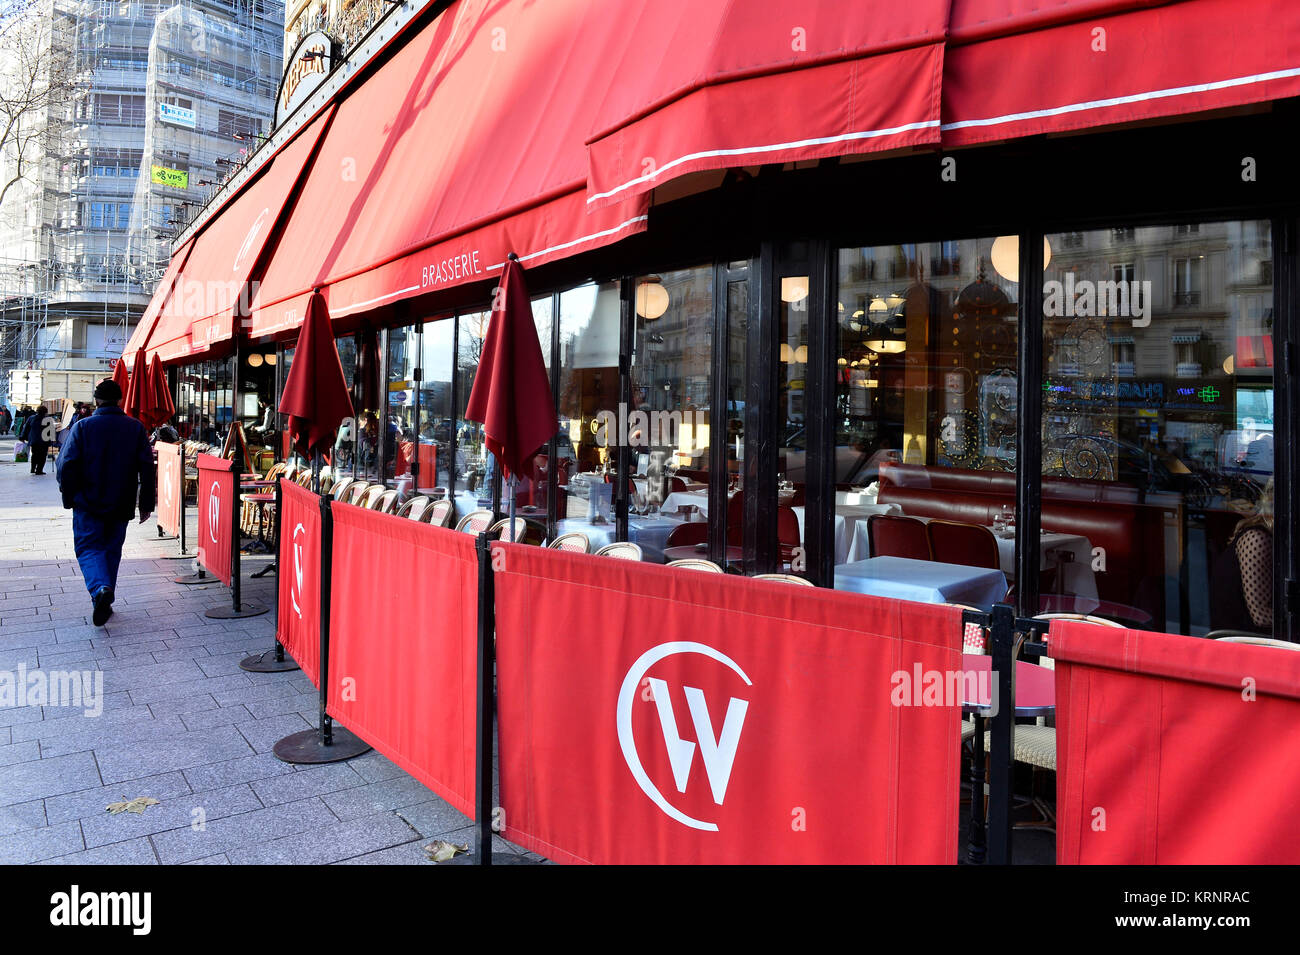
point(651, 298)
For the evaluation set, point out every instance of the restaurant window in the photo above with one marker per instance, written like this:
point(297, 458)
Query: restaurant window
point(475, 466)
point(399, 411)
point(345, 442)
point(1158, 454)
point(668, 423)
point(534, 482)
point(924, 412)
point(369, 403)
point(589, 341)
point(282, 420)
point(256, 411)
point(437, 429)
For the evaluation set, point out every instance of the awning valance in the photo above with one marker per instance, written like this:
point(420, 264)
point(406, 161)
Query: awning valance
point(212, 287)
point(466, 145)
point(506, 126)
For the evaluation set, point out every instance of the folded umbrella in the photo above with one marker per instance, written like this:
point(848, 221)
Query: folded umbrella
point(138, 394)
point(316, 395)
point(162, 405)
point(122, 377)
point(511, 397)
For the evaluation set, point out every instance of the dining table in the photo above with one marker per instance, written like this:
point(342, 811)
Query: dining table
point(923, 581)
point(848, 520)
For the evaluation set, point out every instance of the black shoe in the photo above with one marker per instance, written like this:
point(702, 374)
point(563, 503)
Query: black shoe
point(103, 603)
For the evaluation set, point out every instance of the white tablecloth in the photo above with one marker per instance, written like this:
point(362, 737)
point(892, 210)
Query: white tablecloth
point(848, 518)
point(924, 581)
point(685, 500)
point(1072, 552)
point(651, 533)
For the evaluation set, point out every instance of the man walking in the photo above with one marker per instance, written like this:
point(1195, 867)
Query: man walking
point(39, 433)
point(104, 459)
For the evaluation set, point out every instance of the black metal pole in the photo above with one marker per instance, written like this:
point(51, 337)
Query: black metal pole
point(486, 692)
point(181, 492)
point(234, 534)
point(326, 575)
point(1029, 422)
point(1002, 637)
point(279, 520)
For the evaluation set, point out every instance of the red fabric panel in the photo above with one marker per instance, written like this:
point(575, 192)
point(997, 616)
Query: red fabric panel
point(1164, 61)
point(297, 623)
point(201, 311)
point(404, 645)
point(820, 744)
point(467, 144)
point(143, 331)
point(162, 408)
point(169, 484)
point(137, 393)
point(883, 102)
point(216, 522)
point(1157, 742)
point(316, 396)
point(511, 396)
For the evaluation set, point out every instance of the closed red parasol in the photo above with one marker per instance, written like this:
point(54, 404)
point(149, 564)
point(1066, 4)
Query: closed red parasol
point(316, 395)
point(161, 406)
point(122, 377)
point(511, 397)
point(137, 396)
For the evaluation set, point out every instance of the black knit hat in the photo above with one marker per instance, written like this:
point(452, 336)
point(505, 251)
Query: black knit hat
point(108, 390)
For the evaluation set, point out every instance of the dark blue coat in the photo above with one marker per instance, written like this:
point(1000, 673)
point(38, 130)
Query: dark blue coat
point(104, 461)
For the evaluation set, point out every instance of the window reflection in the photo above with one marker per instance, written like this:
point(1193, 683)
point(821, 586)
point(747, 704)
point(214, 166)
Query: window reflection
point(400, 432)
point(474, 466)
point(345, 442)
point(1158, 424)
point(925, 405)
point(436, 424)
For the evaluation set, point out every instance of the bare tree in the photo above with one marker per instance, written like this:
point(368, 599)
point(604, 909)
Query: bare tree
point(35, 81)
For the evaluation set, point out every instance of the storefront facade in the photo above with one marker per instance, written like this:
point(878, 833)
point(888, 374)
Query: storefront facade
point(1086, 332)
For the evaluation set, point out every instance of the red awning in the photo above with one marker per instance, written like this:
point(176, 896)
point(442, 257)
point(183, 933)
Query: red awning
point(143, 330)
point(718, 84)
point(200, 311)
point(465, 146)
point(1013, 70)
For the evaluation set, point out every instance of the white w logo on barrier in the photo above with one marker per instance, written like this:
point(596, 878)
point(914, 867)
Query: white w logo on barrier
point(214, 512)
point(294, 591)
point(717, 751)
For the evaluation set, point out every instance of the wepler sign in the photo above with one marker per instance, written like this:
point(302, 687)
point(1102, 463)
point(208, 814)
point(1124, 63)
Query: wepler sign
point(308, 67)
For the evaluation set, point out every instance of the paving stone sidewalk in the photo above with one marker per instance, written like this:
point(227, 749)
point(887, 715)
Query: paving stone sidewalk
point(180, 721)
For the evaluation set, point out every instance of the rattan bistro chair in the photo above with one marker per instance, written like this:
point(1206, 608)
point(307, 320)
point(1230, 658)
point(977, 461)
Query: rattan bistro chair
point(575, 543)
point(340, 488)
point(696, 563)
point(501, 530)
point(1254, 639)
point(475, 522)
point(624, 550)
point(413, 508)
point(785, 578)
point(368, 497)
point(438, 513)
point(386, 501)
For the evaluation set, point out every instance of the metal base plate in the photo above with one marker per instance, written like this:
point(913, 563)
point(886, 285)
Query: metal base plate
point(267, 663)
point(305, 747)
point(176, 557)
point(193, 579)
point(230, 613)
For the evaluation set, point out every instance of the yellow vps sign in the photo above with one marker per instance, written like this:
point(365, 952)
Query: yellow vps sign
point(176, 178)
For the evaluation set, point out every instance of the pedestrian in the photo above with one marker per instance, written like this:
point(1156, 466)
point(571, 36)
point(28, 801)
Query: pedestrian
point(38, 432)
point(5, 420)
point(19, 417)
point(106, 458)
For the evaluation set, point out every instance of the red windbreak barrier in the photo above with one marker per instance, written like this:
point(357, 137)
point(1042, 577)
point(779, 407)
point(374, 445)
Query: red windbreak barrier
point(1174, 750)
point(404, 645)
point(170, 485)
point(428, 461)
point(297, 624)
point(216, 504)
point(649, 714)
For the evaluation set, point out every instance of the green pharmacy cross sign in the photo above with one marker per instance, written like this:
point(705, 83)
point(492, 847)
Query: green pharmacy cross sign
point(1209, 394)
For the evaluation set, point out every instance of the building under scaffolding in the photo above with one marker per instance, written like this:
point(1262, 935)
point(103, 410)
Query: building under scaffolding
point(163, 101)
